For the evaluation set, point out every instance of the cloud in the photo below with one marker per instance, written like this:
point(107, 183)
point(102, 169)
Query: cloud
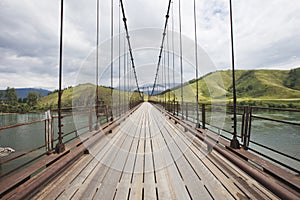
point(266, 35)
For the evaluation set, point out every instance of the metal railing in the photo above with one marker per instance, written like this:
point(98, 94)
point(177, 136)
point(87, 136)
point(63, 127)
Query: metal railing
point(90, 119)
point(246, 115)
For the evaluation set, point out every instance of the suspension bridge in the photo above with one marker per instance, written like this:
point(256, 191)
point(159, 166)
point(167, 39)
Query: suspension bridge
point(145, 141)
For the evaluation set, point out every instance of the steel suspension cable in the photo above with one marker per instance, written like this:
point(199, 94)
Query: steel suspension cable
point(129, 46)
point(161, 47)
point(164, 72)
point(60, 147)
point(234, 142)
point(129, 76)
point(97, 64)
point(196, 62)
point(124, 73)
point(112, 53)
point(168, 65)
point(181, 63)
point(173, 52)
point(119, 60)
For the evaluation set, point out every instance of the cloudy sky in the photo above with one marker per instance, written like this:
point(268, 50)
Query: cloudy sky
point(267, 35)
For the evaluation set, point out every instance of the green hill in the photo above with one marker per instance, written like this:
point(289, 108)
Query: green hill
point(84, 94)
point(272, 86)
point(279, 88)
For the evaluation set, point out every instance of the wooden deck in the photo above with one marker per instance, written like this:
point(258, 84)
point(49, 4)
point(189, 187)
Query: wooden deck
point(150, 157)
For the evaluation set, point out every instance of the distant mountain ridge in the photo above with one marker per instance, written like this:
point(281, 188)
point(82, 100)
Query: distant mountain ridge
point(23, 92)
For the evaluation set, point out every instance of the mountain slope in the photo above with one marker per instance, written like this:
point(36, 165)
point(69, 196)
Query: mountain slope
point(250, 84)
point(293, 79)
point(85, 94)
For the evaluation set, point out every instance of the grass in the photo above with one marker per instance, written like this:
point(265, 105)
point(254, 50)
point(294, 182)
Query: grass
point(85, 94)
point(272, 88)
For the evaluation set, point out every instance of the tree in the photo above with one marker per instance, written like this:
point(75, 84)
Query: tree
point(32, 98)
point(20, 100)
point(11, 96)
point(1, 94)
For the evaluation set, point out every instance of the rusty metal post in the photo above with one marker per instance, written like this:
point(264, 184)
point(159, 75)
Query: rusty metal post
point(186, 111)
point(106, 113)
point(243, 123)
point(90, 120)
point(246, 128)
point(234, 143)
point(250, 124)
point(203, 115)
point(60, 147)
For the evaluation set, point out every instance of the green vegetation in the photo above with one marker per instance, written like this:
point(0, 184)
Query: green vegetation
point(271, 88)
point(85, 94)
point(9, 102)
point(293, 79)
point(268, 88)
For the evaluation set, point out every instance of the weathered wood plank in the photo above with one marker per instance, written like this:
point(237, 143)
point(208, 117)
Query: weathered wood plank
point(149, 157)
point(60, 184)
point(212, 175)
point(164, 188)
point(91, 184)
point(137, 179)
point(125, 178)
point(215, 188)
point(111, 179)
point(194, 185)
point(149, 173)
point(170, 165)
point(90, 170)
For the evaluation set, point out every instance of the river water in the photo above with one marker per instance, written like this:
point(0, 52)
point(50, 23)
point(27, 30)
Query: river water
point(282, 137)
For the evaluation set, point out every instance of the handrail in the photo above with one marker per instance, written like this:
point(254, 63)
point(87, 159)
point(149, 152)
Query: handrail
point(245, 136)
point(21, 124)
point(103, 118)
point(280, 190)
point(276, 120)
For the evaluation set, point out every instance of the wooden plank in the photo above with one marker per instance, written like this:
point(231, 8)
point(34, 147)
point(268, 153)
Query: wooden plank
point(111, 179)
point(265, 164)
point(137, 180)
point(218, 172)
point(25, 174)
point(194, 185)
point(92, 168)
point(58, 191)
point(271, 168)
point(124, 185)
point(137, 189)
point(214, 172)
point(149, 173)
point(177, 167)
point(89, 187)
point(164, 187)
point(250, 186)
point(215, 188)
point(176, 180)
point(60, 184)
point(125, 179)
point(31, 187)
